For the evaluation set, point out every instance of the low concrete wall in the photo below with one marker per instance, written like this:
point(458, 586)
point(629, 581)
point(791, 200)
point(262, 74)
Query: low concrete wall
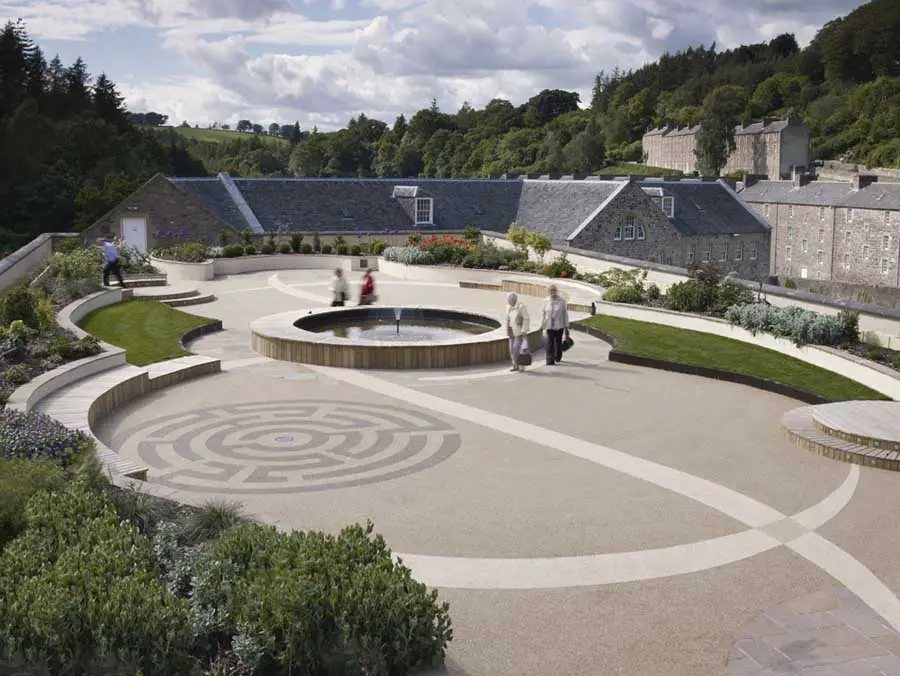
point(257, 263)
point(191, 272)
point(28, 258)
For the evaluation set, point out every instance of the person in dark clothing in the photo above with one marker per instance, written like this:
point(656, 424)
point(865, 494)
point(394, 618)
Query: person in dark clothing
point(111, 262)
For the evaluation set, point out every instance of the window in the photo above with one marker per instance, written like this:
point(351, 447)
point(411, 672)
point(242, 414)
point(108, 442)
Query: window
point(821, 213)
point(791, 211)
point(668, 206)
point(790, 232)
point(804, 245)
point(884, 266)
point(766, 210)
point(692, 249)
point(787, 253)
point(849, 215)
point(723, 254)
point(345, 214)
point(887, 217)
point(754, 253)
point(820, 257)
point(424, 211)
point(886, 242)
point(866, 251)
point(846, 261)
point(739, 254)
point(629, 227)
point(847, 237)
point(821, 234)
point(707, 255)
point(617, 234)
point(640, 230)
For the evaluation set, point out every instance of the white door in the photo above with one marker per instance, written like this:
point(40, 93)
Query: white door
point(134, 233)
point(803, 273)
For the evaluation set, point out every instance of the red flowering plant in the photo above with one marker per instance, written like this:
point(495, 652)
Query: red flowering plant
point(446, 249)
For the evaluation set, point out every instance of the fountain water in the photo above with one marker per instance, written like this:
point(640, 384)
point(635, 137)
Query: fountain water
point(397, 312)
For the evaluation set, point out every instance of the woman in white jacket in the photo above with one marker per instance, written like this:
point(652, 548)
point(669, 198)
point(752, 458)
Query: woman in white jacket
point(340, 292)
point(516, 328)
point(555, 321)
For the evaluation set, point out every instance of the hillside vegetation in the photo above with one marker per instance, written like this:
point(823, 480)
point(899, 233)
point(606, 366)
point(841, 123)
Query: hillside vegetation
point(215, 135)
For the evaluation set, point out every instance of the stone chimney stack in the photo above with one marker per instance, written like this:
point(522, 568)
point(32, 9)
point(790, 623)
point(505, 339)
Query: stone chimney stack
point(861, 181)
point(750, 179)
point(800, 177)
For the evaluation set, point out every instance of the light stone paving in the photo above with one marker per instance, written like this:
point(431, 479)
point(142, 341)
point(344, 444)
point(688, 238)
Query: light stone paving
point(589, 518)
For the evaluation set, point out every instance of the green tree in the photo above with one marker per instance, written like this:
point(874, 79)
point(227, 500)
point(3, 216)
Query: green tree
point(540, 243)
point(715, 139)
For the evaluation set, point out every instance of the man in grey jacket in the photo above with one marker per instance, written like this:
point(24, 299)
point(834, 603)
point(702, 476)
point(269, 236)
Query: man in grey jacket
point(555, 321)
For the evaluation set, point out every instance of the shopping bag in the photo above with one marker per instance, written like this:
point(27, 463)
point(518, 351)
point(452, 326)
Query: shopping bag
point(524, 358)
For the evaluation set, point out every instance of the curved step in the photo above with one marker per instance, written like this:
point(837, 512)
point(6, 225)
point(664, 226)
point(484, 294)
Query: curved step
point(801, 428)
point(197, 299)
point(165, 293)
point(870, 423)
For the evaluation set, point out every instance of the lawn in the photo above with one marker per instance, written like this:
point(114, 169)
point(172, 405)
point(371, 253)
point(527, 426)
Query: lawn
point(147, 330)
point(702, 349)
point(627, 168)
point(218, 135)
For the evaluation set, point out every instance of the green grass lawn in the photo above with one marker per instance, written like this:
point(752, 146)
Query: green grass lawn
point(626, 168)
point(702, 349)
point(147, 330)
point(217, 135)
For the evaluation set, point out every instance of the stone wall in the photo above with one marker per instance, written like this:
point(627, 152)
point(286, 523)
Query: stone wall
point(166, 208)
point(755, 154)
point(29, 258)
point(842, 171)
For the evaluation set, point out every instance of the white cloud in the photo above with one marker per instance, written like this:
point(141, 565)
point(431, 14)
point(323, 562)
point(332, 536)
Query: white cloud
point(323, 61)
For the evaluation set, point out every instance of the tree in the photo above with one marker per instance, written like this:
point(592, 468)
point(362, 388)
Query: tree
point(257, 129)
point(715, 139)
point(274, 129)
point(540, 243)
point(244, 125)
point(78, 97)
point(108, 103)
point(548, 105)
point(518, 236)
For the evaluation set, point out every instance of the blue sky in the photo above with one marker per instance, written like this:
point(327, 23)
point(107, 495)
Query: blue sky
point(324, 61)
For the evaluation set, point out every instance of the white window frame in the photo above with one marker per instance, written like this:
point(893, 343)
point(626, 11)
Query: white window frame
point(885, 266)
point(723, 254)
point(766, 210)
point(849, 215)
point(754, 253)
point(790, 232)
point(804, 245)
point(691, 253)
point(887, 217)
point(886, 242)
point(640, 231)
point(820, 257)
point(821, 234)
point(668, 206)
point(865, 251)
point(629, 224)
point(847, 261)
point(821, 213)
point(847, 237)
point(420, 207)
point(739, 254)
point(617, 234)
point(788, 252)
point(707, 253)
point(791, 210)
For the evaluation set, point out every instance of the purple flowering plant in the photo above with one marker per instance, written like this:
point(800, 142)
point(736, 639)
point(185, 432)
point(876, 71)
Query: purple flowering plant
point(36, 436)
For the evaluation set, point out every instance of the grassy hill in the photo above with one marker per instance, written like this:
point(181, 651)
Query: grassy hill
point(217, 135)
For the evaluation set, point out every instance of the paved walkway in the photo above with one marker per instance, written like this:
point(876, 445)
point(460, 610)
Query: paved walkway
point(590, 518)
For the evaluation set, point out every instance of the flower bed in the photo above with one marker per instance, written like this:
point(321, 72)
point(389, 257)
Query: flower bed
point(194, 252)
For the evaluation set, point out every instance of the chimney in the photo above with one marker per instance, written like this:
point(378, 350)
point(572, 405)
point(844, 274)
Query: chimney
point(750, 179)
point(860, 181)
point(799, 177)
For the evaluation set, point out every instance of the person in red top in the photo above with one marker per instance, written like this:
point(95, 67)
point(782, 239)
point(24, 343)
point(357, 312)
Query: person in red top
point(367, 293)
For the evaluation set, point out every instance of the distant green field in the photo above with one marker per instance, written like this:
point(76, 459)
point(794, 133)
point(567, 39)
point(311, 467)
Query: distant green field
point(636, 170)
point(216, 135)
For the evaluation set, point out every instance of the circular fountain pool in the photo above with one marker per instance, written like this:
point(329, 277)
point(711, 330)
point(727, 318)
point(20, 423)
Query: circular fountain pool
point(384, 337)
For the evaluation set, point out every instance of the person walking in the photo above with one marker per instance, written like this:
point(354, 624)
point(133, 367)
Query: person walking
point(111, 262)
point(340, 292)
point(367, 293)
point(555, 321)
point(517, 321)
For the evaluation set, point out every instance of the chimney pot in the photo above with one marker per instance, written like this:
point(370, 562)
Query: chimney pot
point(861, 181)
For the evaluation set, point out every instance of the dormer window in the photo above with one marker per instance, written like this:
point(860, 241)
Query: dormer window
point(345, 214)
point(407, 191)
point(668, 206)
point(424, 211)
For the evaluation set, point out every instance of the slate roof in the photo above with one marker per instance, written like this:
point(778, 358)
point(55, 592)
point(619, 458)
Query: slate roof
point(825, 194)
point(557, 208)
point(369, 205)
point(211, 193)
point(705, 207)
point(761, 127)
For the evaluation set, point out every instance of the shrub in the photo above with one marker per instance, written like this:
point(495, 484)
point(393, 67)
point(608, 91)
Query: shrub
point(518, 236)
point(135, 262)
point(81, 594)
point(267, 249)
point(790, 284)
point(653, 292)
point(17, 374)
point(69, 348)
point(378, 247)
point(623, 294)
point(801, 326)
point(19, 480)
point(326, 249)
point(355, 250)
point(540, 243)
point(317, 242)
point(561, 267)
point(849, 320)
point(874, 351)
point(408, 255)
point(690, 295)
point(306, 248)
point(145, 512)
point(250, 250)
point(472, 234)
point(896, 362)
point(20, 302)
point(341, 249)
point(363, 614)
point(729, 294)
point(35, 436)
point(284, 248)
point(68, 245)
point(233, 251)
point(296, 242)
point(189, 252)
point(620, 277)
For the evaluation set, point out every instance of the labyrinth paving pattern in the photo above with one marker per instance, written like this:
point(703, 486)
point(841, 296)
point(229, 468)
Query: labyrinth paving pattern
point(288, 446)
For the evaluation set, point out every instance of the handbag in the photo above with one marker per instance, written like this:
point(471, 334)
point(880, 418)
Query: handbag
point(567, 342)
point(524, 357)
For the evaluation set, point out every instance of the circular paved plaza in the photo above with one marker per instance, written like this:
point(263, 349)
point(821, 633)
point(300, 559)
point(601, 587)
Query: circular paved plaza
point(591, 518)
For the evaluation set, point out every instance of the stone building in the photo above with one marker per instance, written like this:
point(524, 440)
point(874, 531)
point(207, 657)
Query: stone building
point(840, 231)
point(770, 147)
point(668, 221)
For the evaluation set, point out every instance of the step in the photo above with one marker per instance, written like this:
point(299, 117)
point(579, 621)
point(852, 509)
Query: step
point(165, 293)
point(870, 423)
point(142, 282)
point(800, 427)
point(199, 299)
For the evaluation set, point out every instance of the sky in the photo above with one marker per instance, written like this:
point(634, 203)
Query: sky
point(322, 62)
